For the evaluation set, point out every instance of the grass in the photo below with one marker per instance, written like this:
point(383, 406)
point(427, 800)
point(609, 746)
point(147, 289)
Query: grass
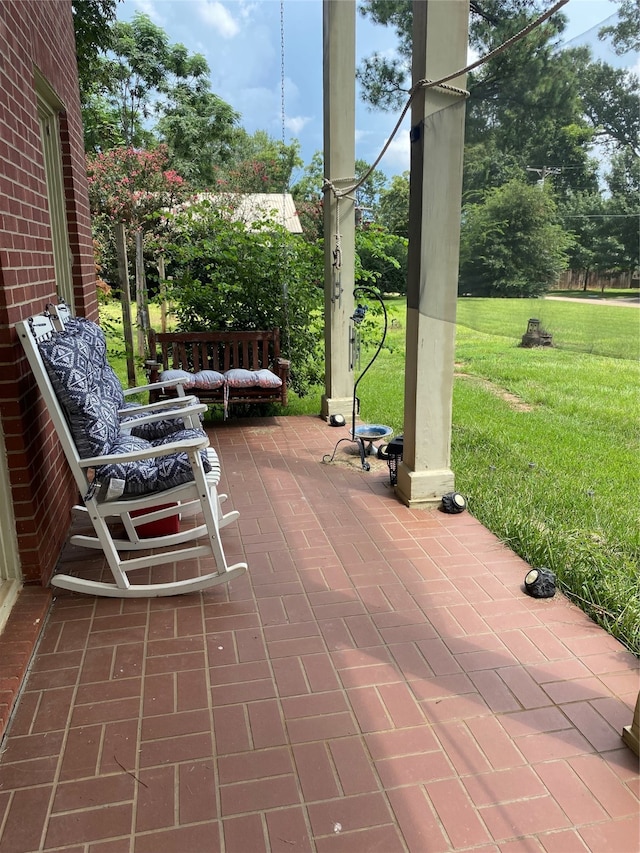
point(545, 441)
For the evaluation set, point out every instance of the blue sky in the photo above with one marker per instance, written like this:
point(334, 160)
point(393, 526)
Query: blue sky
point(241, 42)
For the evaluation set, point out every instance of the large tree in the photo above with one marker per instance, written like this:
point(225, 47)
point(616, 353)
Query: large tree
point(92, 21)
point(393, 210)
point(524, 104)
point(140, 69)
point(625, 33)
point(198, 129)
point(511, 243)
point(612, 104)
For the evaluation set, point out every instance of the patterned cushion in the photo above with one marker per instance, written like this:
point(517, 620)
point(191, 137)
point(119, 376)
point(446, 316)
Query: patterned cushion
point(209, 379)
point(266, 379)
point(186, 378)
point(93, 418)
point(151, 431)
point(238, 378)
point(145, 476)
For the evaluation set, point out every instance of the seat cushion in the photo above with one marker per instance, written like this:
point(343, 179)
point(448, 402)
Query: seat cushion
point(208, 379)
point(149, 431)
point(239, 378)
point(186, 378)
point(146, 476)
point(266, 379)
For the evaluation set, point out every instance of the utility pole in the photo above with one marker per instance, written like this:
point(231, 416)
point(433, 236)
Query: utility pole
point(544, 171)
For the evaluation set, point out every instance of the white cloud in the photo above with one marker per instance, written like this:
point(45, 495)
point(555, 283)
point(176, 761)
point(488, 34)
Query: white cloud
point(296, 124)
point(397, 156)
point(216, 15)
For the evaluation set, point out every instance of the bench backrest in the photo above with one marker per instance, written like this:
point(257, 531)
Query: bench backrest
point(219, 351)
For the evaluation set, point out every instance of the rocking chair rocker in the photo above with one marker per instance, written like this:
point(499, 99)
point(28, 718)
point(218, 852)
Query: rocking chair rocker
point(126, 458)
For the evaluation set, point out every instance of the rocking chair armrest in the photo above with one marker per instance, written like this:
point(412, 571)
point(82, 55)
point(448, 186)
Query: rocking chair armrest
point(183, 446)
point(165, 383)
point(175, 408)
point(159, 415)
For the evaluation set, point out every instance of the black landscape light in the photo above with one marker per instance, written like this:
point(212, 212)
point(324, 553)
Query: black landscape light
point(392, 454)
point(454, 502)
point(540, 583)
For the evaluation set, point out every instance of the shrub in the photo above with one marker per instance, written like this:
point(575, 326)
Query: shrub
point(226, 275)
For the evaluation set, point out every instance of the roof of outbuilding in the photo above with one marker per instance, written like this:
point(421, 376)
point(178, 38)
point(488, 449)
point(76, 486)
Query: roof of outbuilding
point(258, 207)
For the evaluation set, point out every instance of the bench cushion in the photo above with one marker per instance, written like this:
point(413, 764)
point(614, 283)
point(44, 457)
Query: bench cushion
point(266, 379)
point(208, 379)
point(187, 379)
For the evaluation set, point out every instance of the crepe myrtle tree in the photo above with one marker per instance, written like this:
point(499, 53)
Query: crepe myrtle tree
point(226, 274)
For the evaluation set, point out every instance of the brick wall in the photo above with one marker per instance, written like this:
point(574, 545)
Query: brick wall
point(37, 35)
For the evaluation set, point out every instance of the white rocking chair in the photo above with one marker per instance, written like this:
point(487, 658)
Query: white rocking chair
point(192, 468)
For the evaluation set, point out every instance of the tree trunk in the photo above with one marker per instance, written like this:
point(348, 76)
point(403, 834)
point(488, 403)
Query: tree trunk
point(125, 299)
point(163, 298)
point(142, 302)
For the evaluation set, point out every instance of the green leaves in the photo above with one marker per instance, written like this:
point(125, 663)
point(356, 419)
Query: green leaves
point(511, 244)
point(225, 275)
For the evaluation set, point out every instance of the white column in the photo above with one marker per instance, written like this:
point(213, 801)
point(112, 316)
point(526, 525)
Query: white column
point(339, 32)
point(440, 35)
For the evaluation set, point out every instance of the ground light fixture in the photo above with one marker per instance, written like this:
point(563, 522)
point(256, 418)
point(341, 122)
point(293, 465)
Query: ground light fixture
point(454, 502)
point(540, 583)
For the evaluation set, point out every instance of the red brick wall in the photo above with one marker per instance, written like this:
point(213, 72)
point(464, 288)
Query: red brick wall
point(37, 35)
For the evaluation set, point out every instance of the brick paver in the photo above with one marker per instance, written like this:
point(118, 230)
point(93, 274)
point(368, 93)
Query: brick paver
point(376, 681)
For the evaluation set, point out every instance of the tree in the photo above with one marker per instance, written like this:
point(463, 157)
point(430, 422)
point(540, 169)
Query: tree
point(258, 163)
point(393, 211)
point(612, 104)
point(129, 186)
point(524, 103)
point(367, 195)
point(198, 129)
point(309, 187)
point(92, 21)
point(381, 259)
point(511, 244)
point(140, 69)
point(584, 216)
point(625, 34)
point(623, 180)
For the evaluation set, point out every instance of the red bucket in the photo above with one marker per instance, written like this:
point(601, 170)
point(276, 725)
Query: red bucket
point(161, 527)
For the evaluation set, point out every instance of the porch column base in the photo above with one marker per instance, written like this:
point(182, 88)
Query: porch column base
point(337, 406)
point(631, 734)
point(423, 488)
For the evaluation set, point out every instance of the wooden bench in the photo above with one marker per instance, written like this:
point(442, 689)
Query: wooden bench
point(220, 351)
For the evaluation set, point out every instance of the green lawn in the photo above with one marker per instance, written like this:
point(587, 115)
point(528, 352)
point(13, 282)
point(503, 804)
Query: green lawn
point(545, 441)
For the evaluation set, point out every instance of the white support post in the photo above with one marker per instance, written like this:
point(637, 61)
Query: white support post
point(339, 18)
point(440, 33)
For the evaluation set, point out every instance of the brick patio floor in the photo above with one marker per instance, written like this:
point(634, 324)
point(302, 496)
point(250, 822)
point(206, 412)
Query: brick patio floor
point(377, 681)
